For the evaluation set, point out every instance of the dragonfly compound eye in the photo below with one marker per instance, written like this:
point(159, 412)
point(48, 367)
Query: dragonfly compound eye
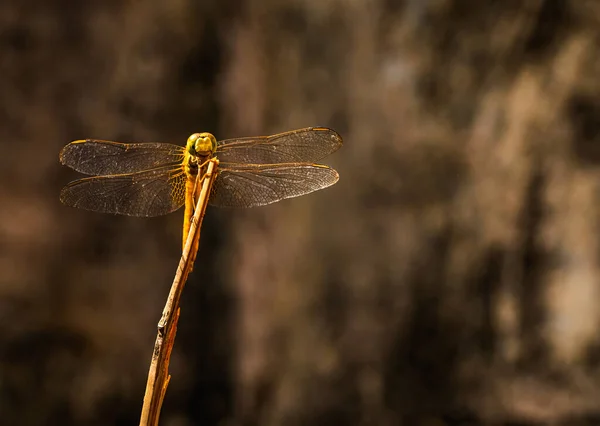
point(202, 144)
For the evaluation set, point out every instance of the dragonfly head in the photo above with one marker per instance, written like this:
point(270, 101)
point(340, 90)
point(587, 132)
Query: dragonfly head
point(201, 145)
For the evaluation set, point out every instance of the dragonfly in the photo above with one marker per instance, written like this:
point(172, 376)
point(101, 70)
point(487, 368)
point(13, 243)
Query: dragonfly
point(154, 179)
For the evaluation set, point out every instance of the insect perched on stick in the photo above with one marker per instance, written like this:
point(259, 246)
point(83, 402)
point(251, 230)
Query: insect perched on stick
point(153, 179)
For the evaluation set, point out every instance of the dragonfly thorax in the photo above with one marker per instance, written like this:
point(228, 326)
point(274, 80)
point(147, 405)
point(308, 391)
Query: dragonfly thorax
point(201, 145)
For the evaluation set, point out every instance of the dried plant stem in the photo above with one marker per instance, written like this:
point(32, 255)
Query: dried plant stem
point(158, 375)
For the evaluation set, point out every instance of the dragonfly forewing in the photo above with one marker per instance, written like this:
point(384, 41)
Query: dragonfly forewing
point(304, 145)
point(98, 157)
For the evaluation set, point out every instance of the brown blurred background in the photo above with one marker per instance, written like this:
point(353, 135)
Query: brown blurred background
point(451, 277)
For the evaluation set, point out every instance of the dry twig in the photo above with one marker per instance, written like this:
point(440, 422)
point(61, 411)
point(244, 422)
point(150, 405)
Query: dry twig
point(158, 375)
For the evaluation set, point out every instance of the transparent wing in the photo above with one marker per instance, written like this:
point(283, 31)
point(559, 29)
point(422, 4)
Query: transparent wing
point(250, 186)
point(149, 193)
point(97, 157)
point(304, 145)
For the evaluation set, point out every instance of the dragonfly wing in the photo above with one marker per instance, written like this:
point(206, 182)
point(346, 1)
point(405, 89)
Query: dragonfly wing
point(250, 186)
point(149, 193)
point(97, 157)
point(304, 145)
